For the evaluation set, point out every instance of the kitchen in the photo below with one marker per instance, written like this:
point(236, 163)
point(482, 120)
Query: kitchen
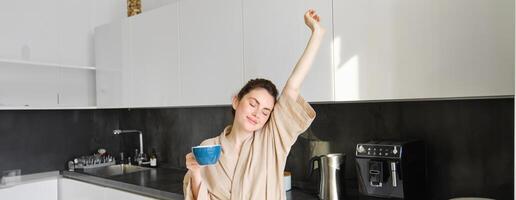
point(74, 71)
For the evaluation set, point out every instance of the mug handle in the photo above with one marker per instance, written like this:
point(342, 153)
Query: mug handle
point(312, 164)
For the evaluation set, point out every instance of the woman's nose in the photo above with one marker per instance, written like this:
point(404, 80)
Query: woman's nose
point(255, 112)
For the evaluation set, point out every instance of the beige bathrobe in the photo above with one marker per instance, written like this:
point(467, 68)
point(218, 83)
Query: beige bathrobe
point(258, 171)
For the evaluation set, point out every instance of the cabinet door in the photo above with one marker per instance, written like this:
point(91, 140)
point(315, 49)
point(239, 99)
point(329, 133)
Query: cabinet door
point(77, 190)
point(211, 51)
point(406, 49)
point(154, 60)
point(274, 39)
point(41, 190)
point(118, 194)
point(113, 74)
point(28, 85)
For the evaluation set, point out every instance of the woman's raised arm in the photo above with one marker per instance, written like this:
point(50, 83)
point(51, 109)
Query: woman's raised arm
point(302, 67)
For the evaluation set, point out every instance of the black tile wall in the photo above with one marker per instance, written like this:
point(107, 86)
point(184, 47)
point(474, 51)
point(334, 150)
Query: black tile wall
point(470, 143)
point(173, 131)
point(44, 140)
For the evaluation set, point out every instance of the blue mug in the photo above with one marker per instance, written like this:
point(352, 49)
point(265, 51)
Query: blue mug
point(207, 155)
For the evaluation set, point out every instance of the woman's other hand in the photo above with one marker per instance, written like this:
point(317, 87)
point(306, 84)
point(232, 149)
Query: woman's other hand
point(191, 163)
point(312, 21)
point(195, 169)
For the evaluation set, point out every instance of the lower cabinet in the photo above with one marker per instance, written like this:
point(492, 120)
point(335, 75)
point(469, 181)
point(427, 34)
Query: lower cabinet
point(41, 190)
point(77, 190)
point(118, 194)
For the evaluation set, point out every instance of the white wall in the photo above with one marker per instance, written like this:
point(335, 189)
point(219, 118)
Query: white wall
point(153, 4)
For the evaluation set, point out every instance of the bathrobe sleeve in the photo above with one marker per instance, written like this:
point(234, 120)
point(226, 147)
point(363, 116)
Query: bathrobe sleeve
point(288, 120)
point(187, 189)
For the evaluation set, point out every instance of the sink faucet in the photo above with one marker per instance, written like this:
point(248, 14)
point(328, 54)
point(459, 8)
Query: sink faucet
point(118, 132)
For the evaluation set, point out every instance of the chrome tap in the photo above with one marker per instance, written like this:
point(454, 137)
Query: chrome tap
point(118, 132)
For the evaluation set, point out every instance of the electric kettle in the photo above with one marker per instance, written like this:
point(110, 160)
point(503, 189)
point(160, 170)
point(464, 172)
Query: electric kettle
point(331, 168)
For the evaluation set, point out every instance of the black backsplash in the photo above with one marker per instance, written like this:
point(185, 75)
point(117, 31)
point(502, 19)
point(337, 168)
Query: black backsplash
point(470, 143)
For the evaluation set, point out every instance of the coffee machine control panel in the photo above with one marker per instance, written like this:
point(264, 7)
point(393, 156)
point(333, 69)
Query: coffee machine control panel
point(378, 151)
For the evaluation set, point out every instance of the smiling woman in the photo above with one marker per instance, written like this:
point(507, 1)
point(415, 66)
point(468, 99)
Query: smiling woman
point(256, 145)
point(255, 101)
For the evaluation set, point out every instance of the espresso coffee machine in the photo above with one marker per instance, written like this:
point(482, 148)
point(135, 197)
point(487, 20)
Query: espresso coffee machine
point(389, 169)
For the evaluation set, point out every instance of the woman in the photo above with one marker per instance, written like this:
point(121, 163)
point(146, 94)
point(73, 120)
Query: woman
point(256, 145)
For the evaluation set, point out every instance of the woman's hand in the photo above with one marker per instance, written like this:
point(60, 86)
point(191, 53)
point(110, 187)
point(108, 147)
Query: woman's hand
point(191, 164)
point(312, 21)
point(196, 178)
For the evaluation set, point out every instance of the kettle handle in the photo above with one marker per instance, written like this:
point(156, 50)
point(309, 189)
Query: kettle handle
point(312, 164)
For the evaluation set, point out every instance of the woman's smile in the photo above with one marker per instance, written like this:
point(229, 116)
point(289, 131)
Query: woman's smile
point(252, 121)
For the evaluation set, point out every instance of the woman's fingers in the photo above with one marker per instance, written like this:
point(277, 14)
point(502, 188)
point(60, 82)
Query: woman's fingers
point(313, 14)
point(191, 163)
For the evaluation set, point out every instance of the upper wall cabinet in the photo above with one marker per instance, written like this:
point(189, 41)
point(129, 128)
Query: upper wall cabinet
point(274, 39)
point(111, 58)
point(138, 60)
point(154, 58)
point(211, 51)
point(408, 49)
point(175, 55)
point(200, 52)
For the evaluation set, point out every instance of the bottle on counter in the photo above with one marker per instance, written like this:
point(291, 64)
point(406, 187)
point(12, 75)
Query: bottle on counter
point(71, 166)
point(138, 158)
point(153, 159)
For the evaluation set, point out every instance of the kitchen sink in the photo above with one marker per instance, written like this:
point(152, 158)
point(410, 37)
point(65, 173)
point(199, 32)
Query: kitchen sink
point(115, 170)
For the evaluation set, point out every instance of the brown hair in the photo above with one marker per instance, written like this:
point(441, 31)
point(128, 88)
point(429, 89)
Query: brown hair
point(258, 83)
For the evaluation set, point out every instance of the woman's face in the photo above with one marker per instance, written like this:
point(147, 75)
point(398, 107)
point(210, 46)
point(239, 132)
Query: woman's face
point(254, 109)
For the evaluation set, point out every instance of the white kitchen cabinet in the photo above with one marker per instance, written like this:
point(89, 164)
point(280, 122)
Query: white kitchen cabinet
point(211, 51)
point(77, 190)
point(409, 49)
point(274, 39)
point(137, 60)
point(41, 190)
point(154, 58)
point(199, 52)
point(110, 193)
point(113, 77)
